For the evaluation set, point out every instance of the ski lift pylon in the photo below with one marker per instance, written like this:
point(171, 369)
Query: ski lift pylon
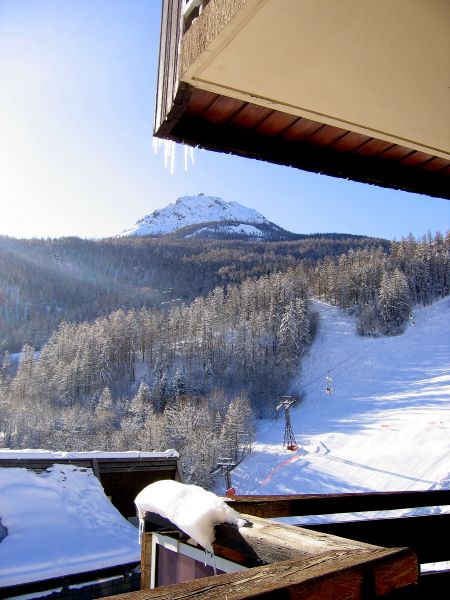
point(224, 467)
point(289, 438)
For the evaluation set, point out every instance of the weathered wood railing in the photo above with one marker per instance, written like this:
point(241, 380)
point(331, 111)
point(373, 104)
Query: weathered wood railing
point(422, 533)
point(360, 571)
point(321, 504)
point(425, 534)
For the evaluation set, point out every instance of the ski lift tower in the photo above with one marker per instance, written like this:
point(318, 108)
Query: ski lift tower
point(224, 468)
point(289, 438)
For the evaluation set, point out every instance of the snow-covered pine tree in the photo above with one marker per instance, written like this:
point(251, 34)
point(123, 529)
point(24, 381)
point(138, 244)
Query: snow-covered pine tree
point(178, 384)
point(294, 332)
point(160, 392)
point(237, 431)
point(105, 414)
point(138, 410)
point(394, 302)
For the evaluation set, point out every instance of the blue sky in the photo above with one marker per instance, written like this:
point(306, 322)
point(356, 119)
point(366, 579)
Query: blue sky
point(77, 93)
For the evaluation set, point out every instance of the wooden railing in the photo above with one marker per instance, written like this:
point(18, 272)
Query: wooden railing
point(387, 569)
point(422, 533)
point(425, 534)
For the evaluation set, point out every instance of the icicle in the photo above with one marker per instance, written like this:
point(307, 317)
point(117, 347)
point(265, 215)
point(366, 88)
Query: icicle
point(166, 153)
point(156, 144)
point(210, 553)
point(172, 158)
point(170, 153)
point(141, 527)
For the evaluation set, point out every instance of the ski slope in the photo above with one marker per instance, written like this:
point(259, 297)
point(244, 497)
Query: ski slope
point(386, 424)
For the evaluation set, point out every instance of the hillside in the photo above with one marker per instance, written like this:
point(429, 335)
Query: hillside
point(386, 424)
point(46, 281)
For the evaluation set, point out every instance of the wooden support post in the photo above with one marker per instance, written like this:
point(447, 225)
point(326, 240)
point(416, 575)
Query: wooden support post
point(146, 560)
point(95, 468)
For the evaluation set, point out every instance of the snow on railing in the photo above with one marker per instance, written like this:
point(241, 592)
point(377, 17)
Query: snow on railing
point(191, 508)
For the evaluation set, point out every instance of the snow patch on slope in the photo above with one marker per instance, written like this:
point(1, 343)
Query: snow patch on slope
point(190, 210)
point(241, 229)
point(386, 425)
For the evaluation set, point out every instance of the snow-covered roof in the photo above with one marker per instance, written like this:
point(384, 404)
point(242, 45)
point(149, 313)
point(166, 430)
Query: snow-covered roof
point(191, 508)
point(59, 523)
point(6, 453)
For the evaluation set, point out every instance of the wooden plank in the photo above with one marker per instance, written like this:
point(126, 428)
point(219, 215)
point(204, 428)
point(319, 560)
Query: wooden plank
point(422, 534)
point(416, 158)
point(137, 467)
point(146, 560)
point(251, 116)
point(161, 86)
point(395, 152)
point(351, 575)
point(301, 129)
point(373, 147)
point(42, 465)
point(95, 468)
point(326, 136)
point(266, 542)
point(435, 165)
point(276, 123)
point(199, 101)
point(312, 504)
point(286, 150)
point(167, 84)
point(222, 109)
point(350, 142)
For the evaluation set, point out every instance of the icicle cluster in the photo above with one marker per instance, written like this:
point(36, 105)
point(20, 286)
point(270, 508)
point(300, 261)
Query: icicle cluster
point(170, 153)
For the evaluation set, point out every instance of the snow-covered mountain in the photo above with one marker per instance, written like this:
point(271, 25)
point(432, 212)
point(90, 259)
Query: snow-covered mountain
point(193, 212)
point(386, 424)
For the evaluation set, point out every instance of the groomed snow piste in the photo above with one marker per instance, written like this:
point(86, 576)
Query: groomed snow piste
point(386, 424)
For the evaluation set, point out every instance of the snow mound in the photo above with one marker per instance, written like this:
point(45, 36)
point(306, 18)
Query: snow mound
point(59, 523)
point(191, 508)
point(191, 210)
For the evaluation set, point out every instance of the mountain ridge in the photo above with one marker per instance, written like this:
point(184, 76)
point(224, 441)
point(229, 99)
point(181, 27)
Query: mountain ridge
point(223, 219)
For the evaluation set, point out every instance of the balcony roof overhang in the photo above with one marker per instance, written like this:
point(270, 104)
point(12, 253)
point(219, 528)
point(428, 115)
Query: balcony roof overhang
point(358, 90)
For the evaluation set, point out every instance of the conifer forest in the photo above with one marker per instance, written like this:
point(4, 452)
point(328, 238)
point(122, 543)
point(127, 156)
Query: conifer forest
point(148, 344)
